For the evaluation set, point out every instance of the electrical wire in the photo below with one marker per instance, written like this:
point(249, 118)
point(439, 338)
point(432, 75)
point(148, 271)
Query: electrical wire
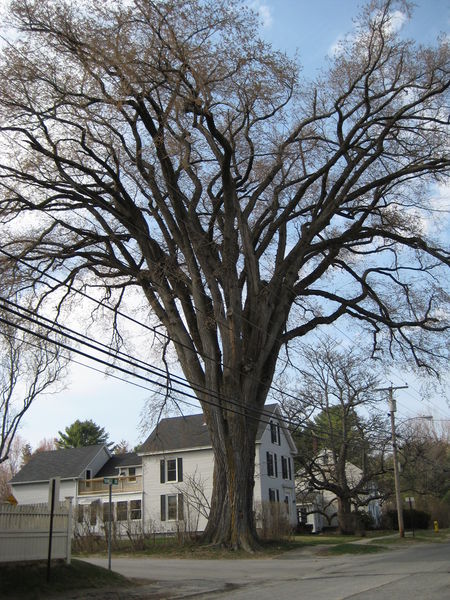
point(133, 320)
point(243, 412)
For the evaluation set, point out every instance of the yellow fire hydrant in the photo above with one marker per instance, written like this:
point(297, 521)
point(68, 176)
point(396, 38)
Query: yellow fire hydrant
point(436, 527)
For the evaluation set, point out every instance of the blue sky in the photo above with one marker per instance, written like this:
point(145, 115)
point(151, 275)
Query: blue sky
point(312, 28)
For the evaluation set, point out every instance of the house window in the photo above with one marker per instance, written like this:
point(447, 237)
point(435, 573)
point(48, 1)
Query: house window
point(172, 507)
point(275, 433)
point(122, 511)
point(270, 469)
point(88, 477)
point(274, 495)
point(132, 474)
point(171, 470)
point(106, 512)
point(272, 464)
point(286, 468)
point(80, 513)
point(135, 510)
point(93, 511)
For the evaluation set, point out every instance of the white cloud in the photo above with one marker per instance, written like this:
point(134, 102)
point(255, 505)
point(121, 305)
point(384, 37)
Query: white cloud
point(264, 12)
point(398, 19)
point(395, 23)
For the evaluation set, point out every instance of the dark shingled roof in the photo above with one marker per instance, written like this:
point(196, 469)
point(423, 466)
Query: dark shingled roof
point(67, 464)
point(130, 459)
point(190, 431)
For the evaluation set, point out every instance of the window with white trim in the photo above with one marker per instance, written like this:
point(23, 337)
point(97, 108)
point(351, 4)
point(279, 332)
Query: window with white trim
point(274, 495)
point(135, 510)
point(272, 464)
point(122, 510)
point(171, 470)
point(130, 473)
point(275, 433)
point(172, 507)
point(286, 467)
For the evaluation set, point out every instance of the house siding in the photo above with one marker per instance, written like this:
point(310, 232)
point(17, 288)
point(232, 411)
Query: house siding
point(97, 462)
point(197, 465)
point(35, 493)
point(284, 486)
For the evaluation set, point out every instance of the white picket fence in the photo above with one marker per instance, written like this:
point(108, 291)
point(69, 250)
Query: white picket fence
point(24, 531)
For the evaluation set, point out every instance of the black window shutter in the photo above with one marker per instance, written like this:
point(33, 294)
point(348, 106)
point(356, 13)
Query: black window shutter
point(180, 507)
point(278, 434)
point(162, 471)
point(163, 508)
point(268, 459)
point(180, 469)
point(290, 468)
point(278, 495)
point(275, 460)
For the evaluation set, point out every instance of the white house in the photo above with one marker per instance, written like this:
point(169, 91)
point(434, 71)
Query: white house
point(167, 486)
point(178, 463)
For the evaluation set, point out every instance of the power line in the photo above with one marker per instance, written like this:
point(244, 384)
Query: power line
point(244, 412)
point(135, 321)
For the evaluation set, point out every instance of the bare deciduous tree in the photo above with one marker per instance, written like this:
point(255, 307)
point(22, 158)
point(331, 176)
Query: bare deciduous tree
point(27, 369)
point(162, 147)
point(343, 441)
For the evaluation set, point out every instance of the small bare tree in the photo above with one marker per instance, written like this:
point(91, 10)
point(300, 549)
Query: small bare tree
point(27, 370)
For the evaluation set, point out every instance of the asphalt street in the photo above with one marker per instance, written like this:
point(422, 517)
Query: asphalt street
point(421, 571)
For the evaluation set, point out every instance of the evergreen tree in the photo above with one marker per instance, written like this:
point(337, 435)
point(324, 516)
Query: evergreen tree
point(82, 433)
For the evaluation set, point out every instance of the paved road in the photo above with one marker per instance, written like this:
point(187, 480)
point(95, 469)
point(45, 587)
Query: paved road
point(421, 572)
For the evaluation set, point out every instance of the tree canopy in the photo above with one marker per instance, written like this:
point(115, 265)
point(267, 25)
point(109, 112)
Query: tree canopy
point(161, 146)
point(82, 433)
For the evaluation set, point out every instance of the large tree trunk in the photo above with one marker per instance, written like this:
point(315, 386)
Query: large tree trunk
point(346, 518)
point(231, 521)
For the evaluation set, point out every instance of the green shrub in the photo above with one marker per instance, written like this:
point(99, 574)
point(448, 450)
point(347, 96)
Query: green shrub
point(419, 519)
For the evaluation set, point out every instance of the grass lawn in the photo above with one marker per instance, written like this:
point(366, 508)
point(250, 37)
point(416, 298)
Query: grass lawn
point(173, 548)
point(421, 535)
point(27, 581)
point(339, 549)
point(319, 539)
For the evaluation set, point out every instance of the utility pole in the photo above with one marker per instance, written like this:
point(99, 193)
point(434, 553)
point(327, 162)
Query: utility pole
point(398, 498)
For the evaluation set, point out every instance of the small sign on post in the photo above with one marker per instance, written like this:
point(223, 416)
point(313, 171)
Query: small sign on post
point(111, 480)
